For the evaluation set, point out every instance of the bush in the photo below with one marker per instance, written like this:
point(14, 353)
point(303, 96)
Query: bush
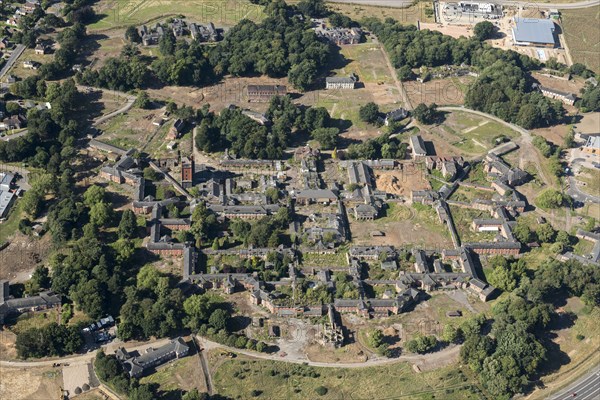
point(421, 344)
point(321, 390)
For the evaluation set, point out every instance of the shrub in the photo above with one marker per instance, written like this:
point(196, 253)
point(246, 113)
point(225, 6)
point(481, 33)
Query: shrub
point(321, 390)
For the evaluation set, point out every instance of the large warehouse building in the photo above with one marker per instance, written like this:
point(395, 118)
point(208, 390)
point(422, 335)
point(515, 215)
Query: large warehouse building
point(533, 32)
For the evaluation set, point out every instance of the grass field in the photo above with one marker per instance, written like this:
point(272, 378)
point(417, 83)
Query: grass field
point(468, 194)
point(324, 260)
point(30, 383)
point(20, 71)
point(122, 13)
point(580, 28)
point(34, 320)
point(408, 15)
point(367, 61)
point(10, 226)
point(243, 378)
point(463, 218)
point(481, 134)
point(591, 178)
point(181, 375)
point(465, 134)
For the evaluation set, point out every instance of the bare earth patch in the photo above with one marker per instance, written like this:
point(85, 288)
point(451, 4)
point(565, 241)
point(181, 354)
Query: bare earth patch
point(19, 259)
point(401, 182)
point(30, 383)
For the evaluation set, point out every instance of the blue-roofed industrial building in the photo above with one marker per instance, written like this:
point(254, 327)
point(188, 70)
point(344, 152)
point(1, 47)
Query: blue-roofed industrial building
point(534, 32)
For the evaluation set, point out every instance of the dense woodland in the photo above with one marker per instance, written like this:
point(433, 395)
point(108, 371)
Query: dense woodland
point(281, 45)
point(247, 138)
point(95, 266)
point(503, 87)
point(510, 348)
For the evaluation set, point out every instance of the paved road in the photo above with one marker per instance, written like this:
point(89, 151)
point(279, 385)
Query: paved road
point(586, 388)
point(206, 344)
point(574, 190)
point(529, 153)
point(527, 4)
point(130, 100)
point(8, 138)
point(579, 195)
point(12, 59)
point(82, 358)
point(524, 132)
point(450, 352)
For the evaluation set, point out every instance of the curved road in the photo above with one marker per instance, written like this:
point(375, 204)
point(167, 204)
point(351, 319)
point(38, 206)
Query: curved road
point(448, 352)
point(524, 132)
point(526, 4)
point(586, 388)
point(130, 101)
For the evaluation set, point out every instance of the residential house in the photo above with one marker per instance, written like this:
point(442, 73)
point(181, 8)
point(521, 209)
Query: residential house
point(138, 365)
point(396, 115)
point(417, 147)
point(41, 49)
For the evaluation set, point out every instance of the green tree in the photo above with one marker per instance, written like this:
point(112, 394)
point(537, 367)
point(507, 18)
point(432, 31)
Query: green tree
point(569, 140)
point(93, 195)
point(376, 338)
point(552, 198)
point(452, 334)
point(127, 225)
point(132, 34)
point(199, 308)
point(484, 30)
point(523, 232)
point(425, 114)
point(141, 392)
point(327, 137)
point(302, 75)
point(421, 344)
point(369, 113)
point(194, 394)
point(506, 274)
point(143, 101)
point(218, 319)
point(321, 390)
point(101, 214)
point(313, 8)
point(167, 43)
point(89, 297)
point(261, 347)
point(150, 174)
point(40, 279)
point(545, 233)
point(405, 73)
